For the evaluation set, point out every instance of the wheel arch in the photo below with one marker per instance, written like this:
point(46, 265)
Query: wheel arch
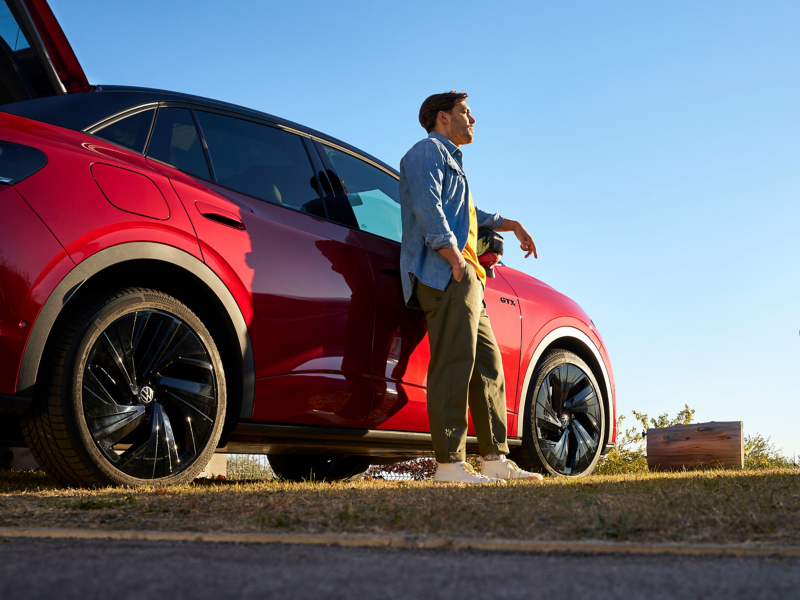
point(576, 341)
point(171, 271)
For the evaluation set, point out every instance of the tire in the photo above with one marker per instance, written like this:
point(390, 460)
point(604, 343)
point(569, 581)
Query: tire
point(309, 467)
point(131, 392)
point(565, 421)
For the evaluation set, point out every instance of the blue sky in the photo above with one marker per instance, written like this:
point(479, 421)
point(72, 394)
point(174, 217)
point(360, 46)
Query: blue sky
point(653, 150)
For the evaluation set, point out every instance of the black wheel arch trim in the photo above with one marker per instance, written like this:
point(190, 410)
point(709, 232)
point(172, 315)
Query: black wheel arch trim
point(572, 336)
point(113, 256)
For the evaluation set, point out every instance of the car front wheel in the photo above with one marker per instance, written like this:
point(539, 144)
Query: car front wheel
point(564, 423)
point(131, 392)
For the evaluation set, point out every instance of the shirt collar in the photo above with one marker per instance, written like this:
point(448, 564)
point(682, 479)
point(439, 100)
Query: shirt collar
point(451, 147)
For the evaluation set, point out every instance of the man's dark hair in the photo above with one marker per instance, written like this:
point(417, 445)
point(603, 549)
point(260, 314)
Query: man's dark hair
point(433, 104)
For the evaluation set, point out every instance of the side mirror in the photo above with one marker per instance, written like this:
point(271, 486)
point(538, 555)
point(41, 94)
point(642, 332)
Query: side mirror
point(490, 250)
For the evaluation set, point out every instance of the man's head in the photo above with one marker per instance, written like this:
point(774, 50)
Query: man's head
point(449, 115)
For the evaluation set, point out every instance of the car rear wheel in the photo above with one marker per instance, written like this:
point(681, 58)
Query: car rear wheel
point(305, 467)
point(132, 392)
point(564, 418)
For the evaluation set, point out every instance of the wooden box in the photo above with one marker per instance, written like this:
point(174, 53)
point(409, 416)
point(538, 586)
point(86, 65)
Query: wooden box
point(710, 445)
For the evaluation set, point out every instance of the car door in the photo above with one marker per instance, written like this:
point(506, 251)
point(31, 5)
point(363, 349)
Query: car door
point(262, 223)
point(401, 351)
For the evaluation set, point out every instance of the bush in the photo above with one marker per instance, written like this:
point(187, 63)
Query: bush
point(248, 467)
point(760, 454)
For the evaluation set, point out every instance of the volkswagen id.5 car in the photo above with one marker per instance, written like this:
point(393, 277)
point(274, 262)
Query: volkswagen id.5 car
point(180, 276)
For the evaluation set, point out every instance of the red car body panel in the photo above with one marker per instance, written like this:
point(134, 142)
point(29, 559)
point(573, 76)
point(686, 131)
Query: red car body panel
point(26, 278)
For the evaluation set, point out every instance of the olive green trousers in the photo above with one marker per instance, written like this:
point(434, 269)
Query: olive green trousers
point(465, 369)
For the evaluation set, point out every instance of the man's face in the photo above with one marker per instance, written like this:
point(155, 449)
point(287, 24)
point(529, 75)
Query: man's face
point(461, 124)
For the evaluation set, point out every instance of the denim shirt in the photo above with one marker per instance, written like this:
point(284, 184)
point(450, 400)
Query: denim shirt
point(434, 208)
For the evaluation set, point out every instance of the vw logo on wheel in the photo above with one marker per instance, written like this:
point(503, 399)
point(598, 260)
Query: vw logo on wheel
point(146, 395)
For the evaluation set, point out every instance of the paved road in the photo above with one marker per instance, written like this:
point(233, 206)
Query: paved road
point(65, 569)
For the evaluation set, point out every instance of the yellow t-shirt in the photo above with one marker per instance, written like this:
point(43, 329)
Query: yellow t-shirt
point(471, 249)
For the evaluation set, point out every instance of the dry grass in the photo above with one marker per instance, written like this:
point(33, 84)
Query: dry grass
point(759, 507)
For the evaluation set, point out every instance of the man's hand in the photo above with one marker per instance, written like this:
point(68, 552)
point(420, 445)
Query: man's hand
point(456, 260)
point(526, 243)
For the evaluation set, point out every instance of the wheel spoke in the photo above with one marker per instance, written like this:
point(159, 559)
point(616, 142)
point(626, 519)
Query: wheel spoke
point(161, 333)
point(556, 452)
point(169, 451)
point(572, 377)
point(141, 461)
point(199, 390)
point(104, 396)
point(109, 423)
point(117, 354)
point(545, 417)
point(585, 447)
point(589, 405)
point(184, 403)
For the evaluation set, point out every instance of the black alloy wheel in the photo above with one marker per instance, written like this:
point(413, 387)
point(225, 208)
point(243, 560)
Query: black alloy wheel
point(565, 418)
point(140, 382)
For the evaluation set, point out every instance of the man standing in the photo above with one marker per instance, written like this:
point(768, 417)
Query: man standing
point(442, 276)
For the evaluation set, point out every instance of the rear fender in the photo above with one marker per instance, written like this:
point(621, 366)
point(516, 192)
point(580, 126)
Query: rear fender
point(117, 255)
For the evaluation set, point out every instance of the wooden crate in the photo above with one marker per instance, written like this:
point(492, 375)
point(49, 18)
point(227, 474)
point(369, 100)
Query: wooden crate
point(714, 444)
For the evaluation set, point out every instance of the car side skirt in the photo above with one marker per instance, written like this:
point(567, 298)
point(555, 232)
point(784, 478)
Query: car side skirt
point(549, 339)
point(269, 438)
point(112, 256)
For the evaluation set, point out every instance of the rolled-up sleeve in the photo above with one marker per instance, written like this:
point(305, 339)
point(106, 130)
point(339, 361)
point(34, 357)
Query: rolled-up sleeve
point(424, 170)
point(488, 220)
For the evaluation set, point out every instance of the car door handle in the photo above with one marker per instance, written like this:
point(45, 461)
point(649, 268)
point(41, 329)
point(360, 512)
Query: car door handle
point(219, 215)
point(391, 272)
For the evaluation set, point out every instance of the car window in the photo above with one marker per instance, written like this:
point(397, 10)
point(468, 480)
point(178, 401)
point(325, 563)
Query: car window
point(373, 194)
point(130, 132)
point(175, 142)
point(261, 161)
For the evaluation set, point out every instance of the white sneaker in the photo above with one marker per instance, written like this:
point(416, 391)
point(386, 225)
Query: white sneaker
point(506, 469)
point(461, 472)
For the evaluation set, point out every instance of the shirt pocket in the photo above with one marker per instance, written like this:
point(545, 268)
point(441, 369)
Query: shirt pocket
point(453, 181)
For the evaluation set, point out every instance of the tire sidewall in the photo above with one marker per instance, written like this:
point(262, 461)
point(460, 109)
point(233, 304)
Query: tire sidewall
point(72, 395)
point(552, 360)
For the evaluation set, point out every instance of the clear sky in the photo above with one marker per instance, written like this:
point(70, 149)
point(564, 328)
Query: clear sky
point(652, 148)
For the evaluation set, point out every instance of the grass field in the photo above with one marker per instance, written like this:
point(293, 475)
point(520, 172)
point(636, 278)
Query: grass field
point(756, 507)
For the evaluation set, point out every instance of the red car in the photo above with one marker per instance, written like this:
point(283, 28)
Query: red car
point(180, 276)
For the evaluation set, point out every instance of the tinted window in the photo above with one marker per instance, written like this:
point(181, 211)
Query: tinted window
point(373, 194)
point(130, 132)
point(261, 161)
point(175, 142)
point(10, 30)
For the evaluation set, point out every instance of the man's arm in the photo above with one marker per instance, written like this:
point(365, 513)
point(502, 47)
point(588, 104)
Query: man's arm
point(526, 243)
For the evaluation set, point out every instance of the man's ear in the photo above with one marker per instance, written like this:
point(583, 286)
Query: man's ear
point(444, 117)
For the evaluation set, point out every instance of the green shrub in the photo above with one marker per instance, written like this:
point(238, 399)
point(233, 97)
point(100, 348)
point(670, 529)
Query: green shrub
point(760, 454)
point(248, 467)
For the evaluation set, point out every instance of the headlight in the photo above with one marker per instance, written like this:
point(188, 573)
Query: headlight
point(18, 162)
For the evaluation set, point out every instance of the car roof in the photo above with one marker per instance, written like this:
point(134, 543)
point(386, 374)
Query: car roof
point(105, 101)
